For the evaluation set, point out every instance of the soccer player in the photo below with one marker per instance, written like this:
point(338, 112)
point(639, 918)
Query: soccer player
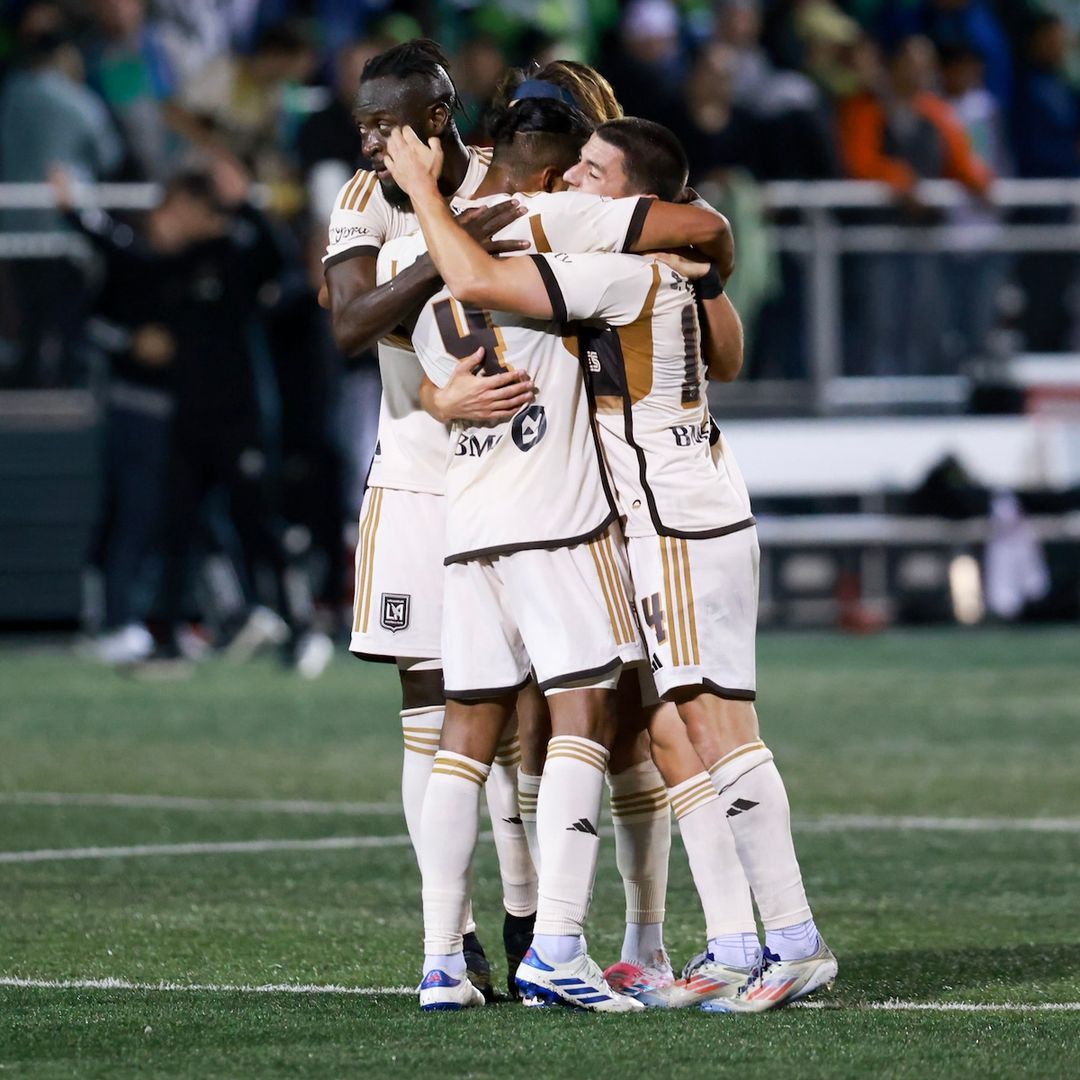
point(398, 595)
point(508, 508)
point(691, 539)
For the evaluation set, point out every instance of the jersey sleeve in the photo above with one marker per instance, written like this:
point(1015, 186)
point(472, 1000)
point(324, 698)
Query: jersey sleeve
point(395, 255)
point(358, 222)
point(612, 288)
point(576, 221)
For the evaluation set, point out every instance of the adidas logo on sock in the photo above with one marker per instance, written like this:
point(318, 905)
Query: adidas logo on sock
point(740, 806)
point(655, 663)
point(582, 825)
point(512, 820)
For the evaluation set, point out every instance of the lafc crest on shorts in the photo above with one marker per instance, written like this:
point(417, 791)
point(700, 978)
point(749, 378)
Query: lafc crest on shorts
point(394, 611)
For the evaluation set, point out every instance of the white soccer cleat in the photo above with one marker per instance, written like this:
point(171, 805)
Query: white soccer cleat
point(263, 629)
point(440, 992)
point(707, 981)
point(578, 983)
point(641, 981)
point(775, 982)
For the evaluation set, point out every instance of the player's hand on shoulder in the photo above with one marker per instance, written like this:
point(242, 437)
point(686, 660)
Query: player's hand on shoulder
point(483, 398)
point(483, 222)
point(686, 262)
point(413, 164)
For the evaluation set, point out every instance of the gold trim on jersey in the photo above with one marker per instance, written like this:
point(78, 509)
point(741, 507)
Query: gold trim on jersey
point(636, 339)
point(540, 240)
point(350, 188)
point(682, 618)
point(610, 585)
point(369, 526)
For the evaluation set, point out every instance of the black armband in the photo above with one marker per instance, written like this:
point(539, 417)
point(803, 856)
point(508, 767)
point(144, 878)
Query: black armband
point(710, 286)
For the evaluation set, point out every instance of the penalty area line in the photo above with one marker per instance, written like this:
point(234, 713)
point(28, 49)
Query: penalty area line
point(401, 991)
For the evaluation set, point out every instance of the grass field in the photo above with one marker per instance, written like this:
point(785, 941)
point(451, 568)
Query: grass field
point(925, 913)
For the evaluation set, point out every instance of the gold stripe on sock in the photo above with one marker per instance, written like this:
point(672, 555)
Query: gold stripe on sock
point(703, 799)
point(746, 748)
point(424, 751)
point(680, 799)
point(581, 746)
point(653, 806)
point(630, 796)
point(438, 770)
point(463, 763)
point(573, 755)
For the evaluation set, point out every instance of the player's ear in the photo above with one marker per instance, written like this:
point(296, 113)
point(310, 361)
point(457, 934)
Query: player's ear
point(551, 179)
point(438, 119)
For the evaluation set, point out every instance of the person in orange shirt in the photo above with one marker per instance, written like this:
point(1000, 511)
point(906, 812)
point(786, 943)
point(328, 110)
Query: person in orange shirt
point(898, 130)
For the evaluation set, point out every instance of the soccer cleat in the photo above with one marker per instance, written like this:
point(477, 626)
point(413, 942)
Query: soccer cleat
point(694, 963)
point(477, 967)
point(578, 983)
point(641, 981)
point(440, 992)
point(262, 629)
point(775, 982)
point(707, 981)
point(517, 936)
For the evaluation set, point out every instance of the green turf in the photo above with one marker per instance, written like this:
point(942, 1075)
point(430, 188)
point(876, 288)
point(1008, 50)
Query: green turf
point(933, 723)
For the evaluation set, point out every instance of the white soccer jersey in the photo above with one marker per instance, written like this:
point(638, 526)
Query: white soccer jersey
point(640, 345)
point(410, 454)
point(446, 333)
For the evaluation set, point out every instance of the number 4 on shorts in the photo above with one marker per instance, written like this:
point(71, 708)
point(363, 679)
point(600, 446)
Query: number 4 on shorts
point(653, 613)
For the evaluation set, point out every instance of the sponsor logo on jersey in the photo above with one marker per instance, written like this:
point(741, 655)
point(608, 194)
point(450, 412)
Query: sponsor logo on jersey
point(529, 427)
point(341, 233)
point(470, 444)
point(689, 434)
point(593, 358)
point(394, 611)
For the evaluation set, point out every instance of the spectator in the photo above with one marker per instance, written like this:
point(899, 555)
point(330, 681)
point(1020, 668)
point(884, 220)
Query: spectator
point(975, 274)
point(129, 67)
point(480, 65)
point(48, 116)
point(237, 102)
point(649, 65)
point(1046, 140)
point(900, 135)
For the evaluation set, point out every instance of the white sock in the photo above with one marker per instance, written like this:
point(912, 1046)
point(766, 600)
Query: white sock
point(453, 963)
point(515, 863)
point(760, 818)
point(449, 826)
point(714, 861)
point(567, 813)
point(794, 942)
point(421, 730)
point(641, 816)
point(559, 948)
point(528, 789)
point(735, 950)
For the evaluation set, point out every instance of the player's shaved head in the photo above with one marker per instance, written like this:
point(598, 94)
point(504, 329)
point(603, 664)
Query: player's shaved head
point(537, 136)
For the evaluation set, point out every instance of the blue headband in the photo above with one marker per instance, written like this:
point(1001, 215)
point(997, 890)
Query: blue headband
point(537, 88)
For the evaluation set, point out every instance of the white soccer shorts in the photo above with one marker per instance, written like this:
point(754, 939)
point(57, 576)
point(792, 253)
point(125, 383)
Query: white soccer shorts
point(565, 612)
point(398, 599)
point(697, 600)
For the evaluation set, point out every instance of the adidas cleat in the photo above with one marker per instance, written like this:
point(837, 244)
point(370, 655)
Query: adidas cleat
point(477, 966)
point(440, 992)
point(578, 983)
point(641, 981)
point(707, 981)
point(517, 937)
point(775, 982)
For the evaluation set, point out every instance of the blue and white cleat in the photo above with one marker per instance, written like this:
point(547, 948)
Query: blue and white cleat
point(578, 983)
point(440, 992)
point(774, 983)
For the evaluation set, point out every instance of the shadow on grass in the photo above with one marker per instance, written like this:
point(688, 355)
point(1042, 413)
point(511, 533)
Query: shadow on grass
point(925, 975)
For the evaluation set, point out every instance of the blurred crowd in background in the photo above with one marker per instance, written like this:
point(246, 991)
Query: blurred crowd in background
point(209, 97)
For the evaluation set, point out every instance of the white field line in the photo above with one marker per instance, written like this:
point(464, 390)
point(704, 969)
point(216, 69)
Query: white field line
point(184, 802)
point(826, 824)
point(386, 991)
point(228, 847)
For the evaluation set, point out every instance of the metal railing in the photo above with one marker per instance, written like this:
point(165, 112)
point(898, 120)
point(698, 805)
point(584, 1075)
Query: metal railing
point(818, 237)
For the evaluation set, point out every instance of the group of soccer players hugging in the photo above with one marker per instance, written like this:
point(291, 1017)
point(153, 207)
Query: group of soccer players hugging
point(556, 546)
